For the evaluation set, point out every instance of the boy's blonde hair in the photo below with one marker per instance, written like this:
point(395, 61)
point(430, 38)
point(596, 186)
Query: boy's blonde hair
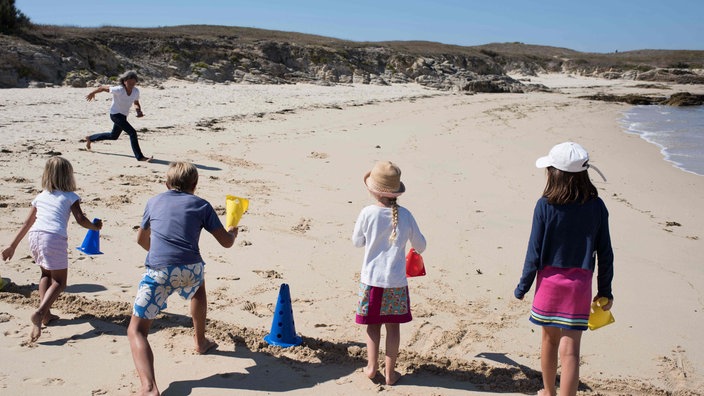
point(58, 175)
point(182, 176)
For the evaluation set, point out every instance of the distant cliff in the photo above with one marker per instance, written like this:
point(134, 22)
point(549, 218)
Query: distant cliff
point(79, 57)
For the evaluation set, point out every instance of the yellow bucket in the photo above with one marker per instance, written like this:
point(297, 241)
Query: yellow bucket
point(234, 208)
point(598, 317)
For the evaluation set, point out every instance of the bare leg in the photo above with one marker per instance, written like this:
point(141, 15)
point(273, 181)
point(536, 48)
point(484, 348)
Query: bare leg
point(50, 294)
point(142, 354)
point(199, 311)
point(373, 338)
point(88, 142)
point(548, 359)
point(569, 361)
point(44, 283)
point(393, 339)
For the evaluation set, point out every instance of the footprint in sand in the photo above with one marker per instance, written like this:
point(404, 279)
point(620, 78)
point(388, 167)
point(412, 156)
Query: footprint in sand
point(268, 274)
point(257, 310)
point(302, 226)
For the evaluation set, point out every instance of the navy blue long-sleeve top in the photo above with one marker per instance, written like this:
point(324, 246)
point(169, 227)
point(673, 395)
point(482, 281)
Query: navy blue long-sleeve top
point(569, 236)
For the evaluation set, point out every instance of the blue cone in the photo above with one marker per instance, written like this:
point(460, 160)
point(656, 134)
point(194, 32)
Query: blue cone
point(91, 243)
point(283, 330)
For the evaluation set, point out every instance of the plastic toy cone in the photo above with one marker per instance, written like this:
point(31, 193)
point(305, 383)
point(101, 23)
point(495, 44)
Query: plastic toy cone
point(234, 208)
point(91, 243)
point(414, 264)
point(283, 330)
point(598, 317)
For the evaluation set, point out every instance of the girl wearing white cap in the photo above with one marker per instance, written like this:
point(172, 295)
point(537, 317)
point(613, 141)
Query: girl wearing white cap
point(570, 234)
point(384, 229)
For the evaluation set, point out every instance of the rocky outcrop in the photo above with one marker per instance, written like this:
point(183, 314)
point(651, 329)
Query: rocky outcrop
point(678, 99)
point(87, 60)
point(79, 57)
point(678, 76)
point(684, 99)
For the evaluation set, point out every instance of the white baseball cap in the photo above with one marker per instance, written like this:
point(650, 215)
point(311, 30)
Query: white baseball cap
point(567, 157)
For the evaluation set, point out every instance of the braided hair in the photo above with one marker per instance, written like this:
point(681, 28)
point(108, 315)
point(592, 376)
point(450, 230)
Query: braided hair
point(394, 217)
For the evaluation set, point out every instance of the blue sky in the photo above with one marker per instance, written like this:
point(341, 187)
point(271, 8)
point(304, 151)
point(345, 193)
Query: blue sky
point(588, 26)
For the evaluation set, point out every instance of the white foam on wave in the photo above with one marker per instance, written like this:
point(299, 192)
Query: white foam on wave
point(679, 133)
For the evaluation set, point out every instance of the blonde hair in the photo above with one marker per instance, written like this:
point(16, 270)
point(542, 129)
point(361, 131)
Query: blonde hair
point(182, 176)
point(58, 175)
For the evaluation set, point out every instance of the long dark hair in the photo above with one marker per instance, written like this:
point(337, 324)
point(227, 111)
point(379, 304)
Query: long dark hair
point(128, 75)
point(568, 187)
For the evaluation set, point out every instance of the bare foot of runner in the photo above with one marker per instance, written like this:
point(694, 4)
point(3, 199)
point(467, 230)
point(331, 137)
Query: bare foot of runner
point(48, 318)
point(146, 159)
point(87, 142)
point(36, 319)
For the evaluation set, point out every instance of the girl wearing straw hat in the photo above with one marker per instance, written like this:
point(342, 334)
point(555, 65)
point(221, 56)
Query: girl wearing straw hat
point(570, 232)
point(383, 229)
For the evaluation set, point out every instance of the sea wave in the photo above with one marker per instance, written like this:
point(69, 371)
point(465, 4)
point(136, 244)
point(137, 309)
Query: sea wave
point(677, 131)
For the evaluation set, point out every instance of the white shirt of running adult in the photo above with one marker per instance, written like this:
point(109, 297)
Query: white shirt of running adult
point(53, 211)
point(121, 102)
point(385, 261)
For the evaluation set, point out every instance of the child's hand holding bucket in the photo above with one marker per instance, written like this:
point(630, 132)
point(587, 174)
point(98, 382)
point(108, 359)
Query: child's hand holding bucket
point(599, 317)
point(234, 208)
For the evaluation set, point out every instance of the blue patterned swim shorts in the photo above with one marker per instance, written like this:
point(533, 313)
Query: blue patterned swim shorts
point(158, 284)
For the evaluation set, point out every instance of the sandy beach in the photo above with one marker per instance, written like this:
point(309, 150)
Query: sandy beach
point(299, 152)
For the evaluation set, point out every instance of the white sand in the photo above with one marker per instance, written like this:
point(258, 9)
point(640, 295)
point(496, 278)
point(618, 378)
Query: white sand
point(299, 153)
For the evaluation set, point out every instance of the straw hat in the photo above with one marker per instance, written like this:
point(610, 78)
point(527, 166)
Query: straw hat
point(385, 179)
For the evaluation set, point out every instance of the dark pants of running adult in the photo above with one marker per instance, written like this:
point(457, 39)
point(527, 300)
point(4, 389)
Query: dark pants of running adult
point(120, 124)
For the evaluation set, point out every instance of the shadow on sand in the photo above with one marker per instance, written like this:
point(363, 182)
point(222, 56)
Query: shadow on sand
point(157, 161)
point(332, 360)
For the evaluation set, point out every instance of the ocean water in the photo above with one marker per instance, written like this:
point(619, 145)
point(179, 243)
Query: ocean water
point(678, 131)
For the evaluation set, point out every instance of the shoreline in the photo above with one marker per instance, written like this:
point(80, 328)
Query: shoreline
point(672, 152)
point(468, 164)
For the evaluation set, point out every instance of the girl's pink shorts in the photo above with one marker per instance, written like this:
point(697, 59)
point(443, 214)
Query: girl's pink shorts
point(50, 251)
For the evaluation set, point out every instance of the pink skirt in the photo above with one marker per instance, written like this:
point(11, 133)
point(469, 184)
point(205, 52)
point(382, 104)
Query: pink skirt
point(563, 297)
point(379, 305)
point(50, 251)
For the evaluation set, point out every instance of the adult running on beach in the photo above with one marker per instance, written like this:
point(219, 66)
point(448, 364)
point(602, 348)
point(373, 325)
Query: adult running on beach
point(123, 96)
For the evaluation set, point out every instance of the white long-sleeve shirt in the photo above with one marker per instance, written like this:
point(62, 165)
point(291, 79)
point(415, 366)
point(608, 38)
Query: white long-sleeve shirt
point(385, 262)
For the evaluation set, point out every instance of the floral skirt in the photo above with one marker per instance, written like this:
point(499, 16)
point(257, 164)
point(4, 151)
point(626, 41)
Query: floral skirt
point(379, 305)
point(563, 298)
